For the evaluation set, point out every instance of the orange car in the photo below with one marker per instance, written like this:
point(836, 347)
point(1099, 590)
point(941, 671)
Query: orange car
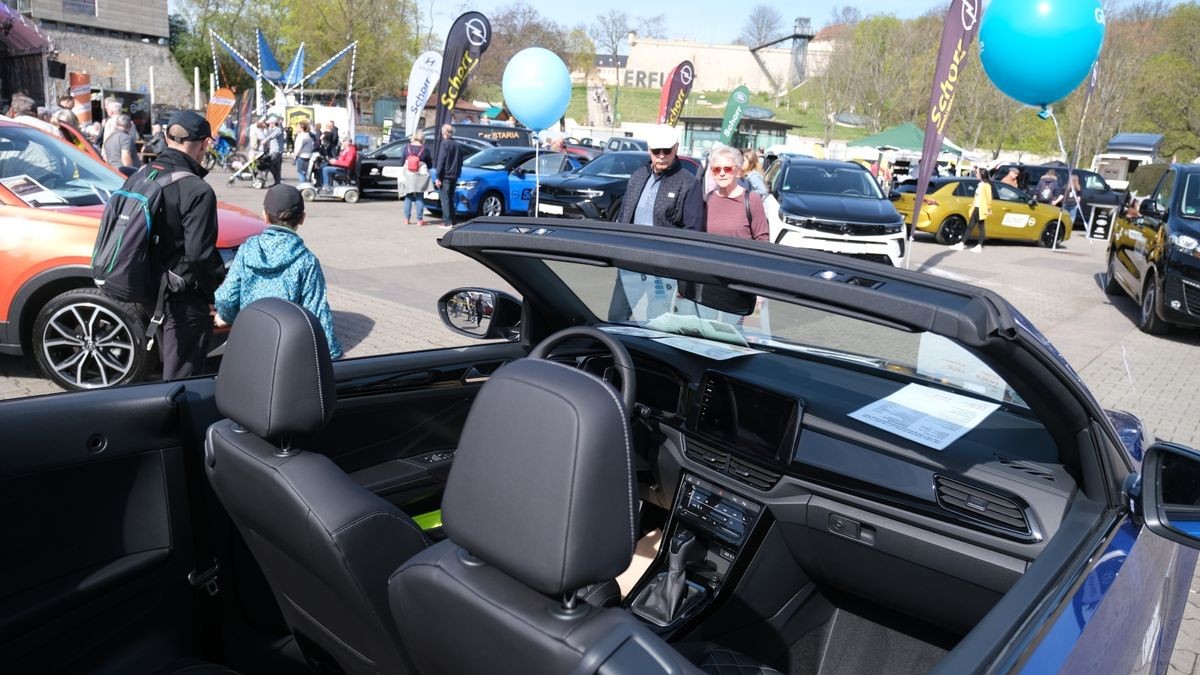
point(51, 199)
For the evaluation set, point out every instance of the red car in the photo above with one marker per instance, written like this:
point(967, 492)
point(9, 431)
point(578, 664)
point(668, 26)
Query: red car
point(51, 198)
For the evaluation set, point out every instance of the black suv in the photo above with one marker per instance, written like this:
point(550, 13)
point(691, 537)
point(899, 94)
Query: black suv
point(1155, 251)
point(1096, 191)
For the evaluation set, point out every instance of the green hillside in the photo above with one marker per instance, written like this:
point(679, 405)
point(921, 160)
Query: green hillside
point(641, 105)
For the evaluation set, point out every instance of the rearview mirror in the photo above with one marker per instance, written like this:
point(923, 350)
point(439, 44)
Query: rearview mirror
point(719, 297)
point(1170, 488)
point(481, 313)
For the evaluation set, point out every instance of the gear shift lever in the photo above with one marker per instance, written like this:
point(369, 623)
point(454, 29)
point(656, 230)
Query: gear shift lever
point(665, 598)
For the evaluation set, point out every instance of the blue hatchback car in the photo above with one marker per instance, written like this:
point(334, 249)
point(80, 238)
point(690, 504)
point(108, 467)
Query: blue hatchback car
point(500, 181)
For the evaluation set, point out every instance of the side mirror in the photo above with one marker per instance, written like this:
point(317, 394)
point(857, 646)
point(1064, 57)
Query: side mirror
point(1033, 202)
point(519, 172)
point(481, 313)
point(1170, 487)
point(893, 195)
point(1149, 207)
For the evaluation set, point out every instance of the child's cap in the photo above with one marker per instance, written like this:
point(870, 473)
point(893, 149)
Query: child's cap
point(283, 202)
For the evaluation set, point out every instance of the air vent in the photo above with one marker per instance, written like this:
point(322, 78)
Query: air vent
point(1039, 472)
point(981, 505)
point(717, 461)
point(752, 475)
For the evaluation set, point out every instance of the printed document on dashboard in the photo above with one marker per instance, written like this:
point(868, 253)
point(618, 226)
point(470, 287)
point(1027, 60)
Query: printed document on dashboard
point(928, 416)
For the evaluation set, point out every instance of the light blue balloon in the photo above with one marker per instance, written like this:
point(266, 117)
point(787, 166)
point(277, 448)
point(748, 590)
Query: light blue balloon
point(536, 87)
point(1038, 51)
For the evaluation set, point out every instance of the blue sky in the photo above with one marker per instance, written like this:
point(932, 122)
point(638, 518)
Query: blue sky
point(703, 20)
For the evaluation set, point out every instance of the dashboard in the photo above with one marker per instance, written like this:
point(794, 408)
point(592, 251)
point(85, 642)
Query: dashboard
point(769, 422)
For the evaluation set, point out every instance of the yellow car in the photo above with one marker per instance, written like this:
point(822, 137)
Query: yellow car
point(1015, 216)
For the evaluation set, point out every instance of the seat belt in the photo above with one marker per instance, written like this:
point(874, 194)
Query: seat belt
point(204, 574)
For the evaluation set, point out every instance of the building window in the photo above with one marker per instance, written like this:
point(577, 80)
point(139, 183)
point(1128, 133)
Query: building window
point(85, 7)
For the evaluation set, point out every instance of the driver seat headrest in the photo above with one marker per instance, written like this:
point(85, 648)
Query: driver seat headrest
point(542, 486)
point(276, 378)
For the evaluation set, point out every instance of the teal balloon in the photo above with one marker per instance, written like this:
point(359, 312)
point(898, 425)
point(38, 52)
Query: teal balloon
point(1038, 51)
point(536, 87)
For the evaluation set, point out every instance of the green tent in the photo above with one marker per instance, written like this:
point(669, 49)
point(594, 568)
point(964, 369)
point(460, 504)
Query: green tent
point(903, 137)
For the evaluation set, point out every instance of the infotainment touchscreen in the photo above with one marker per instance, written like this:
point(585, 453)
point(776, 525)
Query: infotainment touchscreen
point(748, 419)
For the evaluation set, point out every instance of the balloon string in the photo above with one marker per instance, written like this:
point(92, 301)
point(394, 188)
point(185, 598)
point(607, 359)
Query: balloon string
point(1124, 352)
point(537, 178)
point(1066, 160)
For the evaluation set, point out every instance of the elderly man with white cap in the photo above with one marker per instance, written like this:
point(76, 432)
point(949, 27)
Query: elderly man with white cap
point(661, 194)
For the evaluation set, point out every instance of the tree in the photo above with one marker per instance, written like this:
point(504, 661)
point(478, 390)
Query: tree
point(762, 26)
point(581, 51)
point(845, 15)
point(653, 27)
point(609, 31)
point(516, 27)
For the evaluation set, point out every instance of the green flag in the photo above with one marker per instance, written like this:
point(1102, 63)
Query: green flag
point(738, 99)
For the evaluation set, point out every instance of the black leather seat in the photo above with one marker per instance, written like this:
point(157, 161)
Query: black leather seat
point(540, 502)
point(326, 544)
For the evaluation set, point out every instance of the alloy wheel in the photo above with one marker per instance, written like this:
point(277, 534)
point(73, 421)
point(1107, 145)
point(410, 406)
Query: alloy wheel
point(88, 346)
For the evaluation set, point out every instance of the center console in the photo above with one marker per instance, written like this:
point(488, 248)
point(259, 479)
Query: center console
point(709, 529)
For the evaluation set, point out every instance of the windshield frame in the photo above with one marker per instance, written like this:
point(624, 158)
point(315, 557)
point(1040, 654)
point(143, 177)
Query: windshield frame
point(87, 190)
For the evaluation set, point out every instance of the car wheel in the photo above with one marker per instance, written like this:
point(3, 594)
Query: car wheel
point(351, 196)
point(1053, 233)
point(83, 339)
point(491, 205)
point(308, 194)
point(1148, 320)
point(1111, 287)
point(951, 231)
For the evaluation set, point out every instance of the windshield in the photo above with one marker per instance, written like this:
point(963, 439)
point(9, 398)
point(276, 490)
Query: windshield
point(723, 323)
point(823, 180)
point(494, 159)
point(614, 166)
point(44, 171)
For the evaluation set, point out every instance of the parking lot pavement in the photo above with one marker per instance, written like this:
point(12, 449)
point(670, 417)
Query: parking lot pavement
point(385, 277)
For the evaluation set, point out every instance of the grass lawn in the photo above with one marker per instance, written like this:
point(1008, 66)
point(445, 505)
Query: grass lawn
point(641, 105)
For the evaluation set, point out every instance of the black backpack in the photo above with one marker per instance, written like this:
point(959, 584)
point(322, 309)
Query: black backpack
point(125, 263)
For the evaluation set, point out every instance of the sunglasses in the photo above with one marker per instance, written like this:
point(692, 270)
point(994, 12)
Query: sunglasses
point(721, 170)
point(661, 151)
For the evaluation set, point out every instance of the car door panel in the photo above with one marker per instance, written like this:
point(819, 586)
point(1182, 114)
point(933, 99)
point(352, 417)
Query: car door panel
point(97, 533)
point(394, 412)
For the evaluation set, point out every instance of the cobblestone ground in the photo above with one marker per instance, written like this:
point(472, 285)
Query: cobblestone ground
point(386, 277)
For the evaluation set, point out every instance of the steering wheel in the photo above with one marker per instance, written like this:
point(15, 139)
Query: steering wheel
point(621, 359)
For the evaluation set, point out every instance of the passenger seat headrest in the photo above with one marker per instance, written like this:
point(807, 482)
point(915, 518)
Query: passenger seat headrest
point(542, 485)
point(276, 378)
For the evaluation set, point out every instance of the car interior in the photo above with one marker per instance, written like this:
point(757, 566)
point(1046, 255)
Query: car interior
point(442, 511)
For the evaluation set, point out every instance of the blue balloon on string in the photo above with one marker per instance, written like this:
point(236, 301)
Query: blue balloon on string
point(536, 87)
point(1038, 51)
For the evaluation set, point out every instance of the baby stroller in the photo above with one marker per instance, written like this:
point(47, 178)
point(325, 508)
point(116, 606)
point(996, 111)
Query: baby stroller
point(257, 171)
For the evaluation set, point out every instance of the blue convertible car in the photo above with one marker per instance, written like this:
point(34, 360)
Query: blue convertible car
point(827, 464)
point(500, 181)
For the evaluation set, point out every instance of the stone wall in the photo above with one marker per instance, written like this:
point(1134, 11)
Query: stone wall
point(104, 58)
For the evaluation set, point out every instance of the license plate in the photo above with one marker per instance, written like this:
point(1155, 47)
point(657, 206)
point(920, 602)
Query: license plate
point(392, 172)
point(552, 209)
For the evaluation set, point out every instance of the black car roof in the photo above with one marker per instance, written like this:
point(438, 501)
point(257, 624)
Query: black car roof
point(824, 163)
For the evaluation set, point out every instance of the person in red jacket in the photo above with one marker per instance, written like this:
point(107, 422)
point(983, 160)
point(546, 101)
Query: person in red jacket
point(344, 162)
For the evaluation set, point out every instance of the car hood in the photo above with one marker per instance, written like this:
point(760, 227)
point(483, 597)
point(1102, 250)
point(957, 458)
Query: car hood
point(841, 209)
point(471, 173)
point(565, 183)
point(234, 223)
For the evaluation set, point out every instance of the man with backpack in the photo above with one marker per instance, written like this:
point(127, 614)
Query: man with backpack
point(157, 246)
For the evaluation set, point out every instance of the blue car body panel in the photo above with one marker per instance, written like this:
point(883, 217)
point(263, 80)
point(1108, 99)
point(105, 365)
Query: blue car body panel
point(1125, 613)
point(516, 189)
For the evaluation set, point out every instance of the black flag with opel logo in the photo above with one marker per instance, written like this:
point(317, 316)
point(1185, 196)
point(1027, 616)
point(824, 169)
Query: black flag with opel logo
point(466, 42)
point(960, 28)
point(675, 92)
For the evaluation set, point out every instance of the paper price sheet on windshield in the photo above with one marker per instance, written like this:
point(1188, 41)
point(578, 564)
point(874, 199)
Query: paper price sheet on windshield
point(928, 416)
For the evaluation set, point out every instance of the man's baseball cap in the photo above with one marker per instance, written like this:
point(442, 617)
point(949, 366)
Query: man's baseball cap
point(662, 137)
point(284, 202)
point(196, 127)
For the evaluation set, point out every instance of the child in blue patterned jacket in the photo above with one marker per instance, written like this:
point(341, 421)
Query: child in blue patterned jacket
point(277, 264)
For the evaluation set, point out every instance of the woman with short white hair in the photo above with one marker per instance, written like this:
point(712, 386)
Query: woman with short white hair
point(730, 209)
